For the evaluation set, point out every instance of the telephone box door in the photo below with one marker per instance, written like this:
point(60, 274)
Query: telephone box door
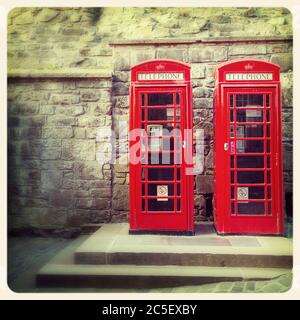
point(161, 191)
point(248, 159)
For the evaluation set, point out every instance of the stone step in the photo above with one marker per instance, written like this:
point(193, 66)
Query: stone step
point(125, 276)
point(112, 245)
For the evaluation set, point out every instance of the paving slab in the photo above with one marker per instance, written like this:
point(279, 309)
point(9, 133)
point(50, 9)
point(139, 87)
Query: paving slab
point(112, 244)
point(127, 276)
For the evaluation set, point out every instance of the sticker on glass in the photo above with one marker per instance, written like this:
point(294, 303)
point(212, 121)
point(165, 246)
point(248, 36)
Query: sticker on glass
point(242, 193)
point(162, 191)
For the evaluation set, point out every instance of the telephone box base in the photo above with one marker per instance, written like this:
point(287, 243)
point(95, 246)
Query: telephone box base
point(164, 232)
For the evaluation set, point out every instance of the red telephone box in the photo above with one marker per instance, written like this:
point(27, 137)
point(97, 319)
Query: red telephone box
point(161, 180)
point(248, 197)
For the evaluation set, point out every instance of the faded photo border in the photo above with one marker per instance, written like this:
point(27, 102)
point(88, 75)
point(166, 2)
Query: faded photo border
point(6, 293)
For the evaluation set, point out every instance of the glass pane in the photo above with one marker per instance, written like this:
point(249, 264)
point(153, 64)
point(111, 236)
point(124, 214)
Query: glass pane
point(160, 99)
point(160, 158)
point(160, 205)
point(178, 173)
point(231, 101)
point(250, 161)
point(160, 189)
point(232, 192)
point(250, 177)
point(232, 208)
point(269, 192)
point(249, 146)
point(178, 205)
point(232, 176)
point(268, 131)
point(160, 144)
point(249, 131)
point(164, 174)
point(251, 208)
point(269, 208)
point(231, 161)
point(245, 193)
point(165, 114)
point(248, 100)
point(249, 115)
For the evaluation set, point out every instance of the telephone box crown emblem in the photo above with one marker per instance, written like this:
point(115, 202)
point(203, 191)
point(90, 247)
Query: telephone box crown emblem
point(248, 66)
point(160, 67)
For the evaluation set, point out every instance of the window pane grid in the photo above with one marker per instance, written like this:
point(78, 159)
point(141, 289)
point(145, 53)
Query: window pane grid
point(170, 202)
point(251, 134)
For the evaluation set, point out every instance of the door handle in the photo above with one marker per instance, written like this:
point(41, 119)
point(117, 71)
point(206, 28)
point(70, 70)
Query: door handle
point(226, 146)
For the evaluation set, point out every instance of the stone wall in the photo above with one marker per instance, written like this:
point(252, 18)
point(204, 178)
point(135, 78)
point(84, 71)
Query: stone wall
point(69, 77)
point(55, 179)
point(203, 57)
point(56, 38)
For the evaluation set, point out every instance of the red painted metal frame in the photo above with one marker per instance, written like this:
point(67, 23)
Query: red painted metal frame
point(161, 221)
point(225, 221)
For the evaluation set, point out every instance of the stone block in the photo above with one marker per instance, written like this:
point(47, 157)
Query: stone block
point(209, 160)
point(61, 121)
point(91, 121)
point(64, 99)
point(96, 204)
point(140, 55)
point(287, 89)
point(121, 102)
point(57, 132)
point(24, 18)
point(88, 170)
point(120, 200)
point(197, 71)
point(50, 153)
point(23, 109)
point(61, 198)
point(285, 60)
point(202, 92)
point(47, 109)
point(79, 133)
point(47, 15)
point(199, 201)
point(279, 48)
point(120, 89)
point(180, 54)
point(68, 180)
point(121, 168)
point(247, 49)
point(121, 76)
point(100, 108)
point(287, 132)
point(90, 95)
point(51, 180)
point(122, 60)
point(50, 217)
point(206, 54)
point(101, 193)
point(204, 184)
point(78, 150)
point(23, 133)
point(32, 121)
point(202, 103)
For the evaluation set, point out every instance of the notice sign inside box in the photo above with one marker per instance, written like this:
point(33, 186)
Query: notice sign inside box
point(162, 190)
